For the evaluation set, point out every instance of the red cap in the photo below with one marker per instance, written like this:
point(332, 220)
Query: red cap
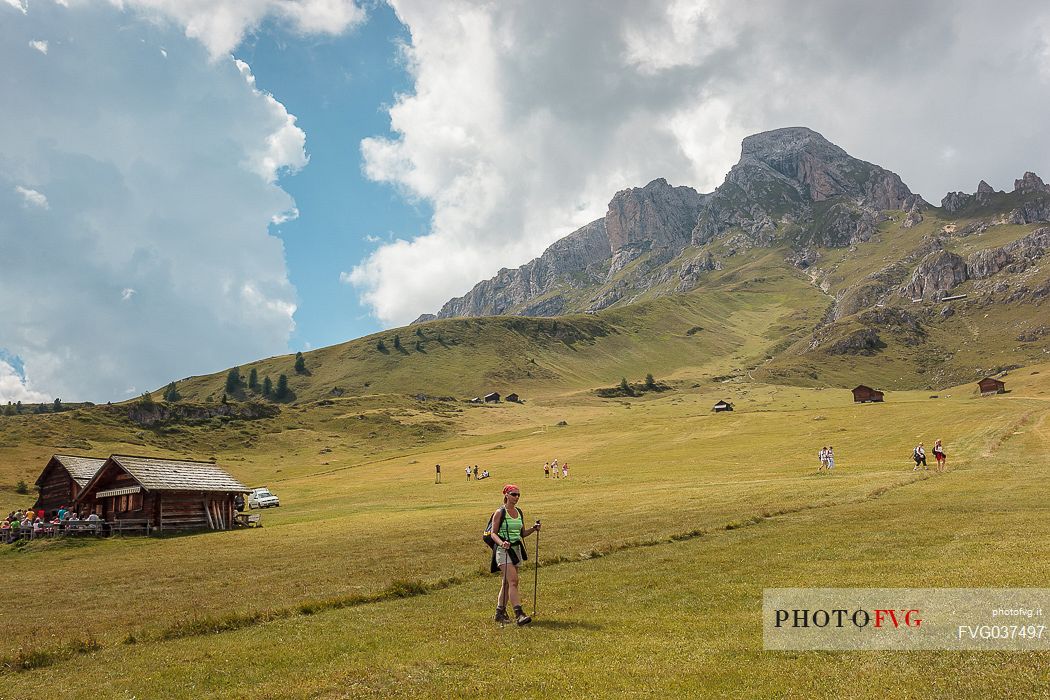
point(510, 487)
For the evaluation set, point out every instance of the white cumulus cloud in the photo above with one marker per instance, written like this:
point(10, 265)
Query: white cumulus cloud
point(39, 45)
point(154, 260)
point(525, 117)
point(15, 388)
point(32, 198)
point(221, 24)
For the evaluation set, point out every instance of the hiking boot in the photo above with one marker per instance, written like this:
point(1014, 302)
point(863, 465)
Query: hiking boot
point(520, 617)
point(502, 616)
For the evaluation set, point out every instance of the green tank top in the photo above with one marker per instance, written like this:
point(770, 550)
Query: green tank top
point(510, 528)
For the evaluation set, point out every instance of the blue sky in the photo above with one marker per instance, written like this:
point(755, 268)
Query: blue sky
point(337, 87)
point(188, 185)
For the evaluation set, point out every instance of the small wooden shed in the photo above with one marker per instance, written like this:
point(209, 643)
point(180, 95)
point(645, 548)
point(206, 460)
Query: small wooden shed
point(492, 398)
point(169, 494)
point(512, 397)
point(63, 478)
point(722, 405)
point(990, 386)
point(864, 394)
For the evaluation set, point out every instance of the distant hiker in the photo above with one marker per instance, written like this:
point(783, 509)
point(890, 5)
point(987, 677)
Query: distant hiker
point(831, 457)
point(508, 529)
point(938, 452)
point(475, 471)
point(555, 469)
point(565, 470)
point(919, 455)
point(823, 455)
point(238, 502)
point(485, 474)
point(546, 470)
point(468, 472)
point(437, 473)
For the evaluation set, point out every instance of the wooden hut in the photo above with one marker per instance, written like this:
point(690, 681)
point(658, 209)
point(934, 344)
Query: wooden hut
point(63, 478)
point(722, 405)
point(513, 397)
point(165, 494)
point(864, 394)
point(492, 398)
point(990, 386)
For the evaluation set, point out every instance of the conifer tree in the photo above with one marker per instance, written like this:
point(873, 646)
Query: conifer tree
point(381, 346)
point(650, 383)
point(397, 342)
point(282, 388)
point(171, 393)
point(58, 405)
point(300, 363)
point(233, 380)
point(253, 379)
point(625, 387)
point(267, 386)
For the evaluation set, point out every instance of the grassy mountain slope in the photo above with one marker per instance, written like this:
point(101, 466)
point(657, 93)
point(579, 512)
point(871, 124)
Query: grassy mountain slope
point(462, 358)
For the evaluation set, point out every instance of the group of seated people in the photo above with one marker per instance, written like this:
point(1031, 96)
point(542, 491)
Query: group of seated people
point(30, 522)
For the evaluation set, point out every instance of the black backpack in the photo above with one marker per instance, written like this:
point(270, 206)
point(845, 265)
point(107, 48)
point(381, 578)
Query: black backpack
point(486, 537)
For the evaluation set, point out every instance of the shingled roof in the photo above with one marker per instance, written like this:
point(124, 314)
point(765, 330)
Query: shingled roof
point(177, 475)
point(80, 468)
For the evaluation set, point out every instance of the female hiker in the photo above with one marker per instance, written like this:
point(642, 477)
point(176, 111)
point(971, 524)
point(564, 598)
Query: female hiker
point(938, 452)
point(509, 552)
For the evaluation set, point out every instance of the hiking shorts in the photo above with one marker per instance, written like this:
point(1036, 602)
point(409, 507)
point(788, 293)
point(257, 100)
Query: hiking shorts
point(503, 557)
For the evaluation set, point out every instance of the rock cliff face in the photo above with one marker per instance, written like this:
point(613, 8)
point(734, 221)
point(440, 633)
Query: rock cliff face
point(573, 261)
point(939, 272)
point(657, 213)
point(935, 275)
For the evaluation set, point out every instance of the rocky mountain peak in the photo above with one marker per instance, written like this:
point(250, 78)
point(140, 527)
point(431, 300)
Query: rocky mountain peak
point(984, 188)
point(658, 213)
point(1030, 184)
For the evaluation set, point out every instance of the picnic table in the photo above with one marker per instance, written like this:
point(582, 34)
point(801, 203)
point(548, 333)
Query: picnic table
point(247, 520)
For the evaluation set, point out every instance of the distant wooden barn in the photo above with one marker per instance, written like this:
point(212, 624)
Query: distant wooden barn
point(492, 398)
point(864, 394)
point(513, 397)
point(62, 480)
point(722, 406)
point(990, 386)
point(167, 494)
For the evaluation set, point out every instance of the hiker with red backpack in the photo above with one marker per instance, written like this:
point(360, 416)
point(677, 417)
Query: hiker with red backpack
point(504, 534)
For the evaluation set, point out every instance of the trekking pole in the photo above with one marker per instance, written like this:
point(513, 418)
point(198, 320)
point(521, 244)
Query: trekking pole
point(505, 596)
point(536, 576)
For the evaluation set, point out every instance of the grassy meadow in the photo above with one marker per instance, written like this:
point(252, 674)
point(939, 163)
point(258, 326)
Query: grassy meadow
point(371, 581)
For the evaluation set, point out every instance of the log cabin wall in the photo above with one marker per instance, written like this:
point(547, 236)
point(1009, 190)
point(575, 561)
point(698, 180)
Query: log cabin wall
point(182, 510)
point(58, 489)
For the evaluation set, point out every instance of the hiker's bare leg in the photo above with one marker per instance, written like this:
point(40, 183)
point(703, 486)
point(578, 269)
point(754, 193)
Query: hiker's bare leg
point(510, 572)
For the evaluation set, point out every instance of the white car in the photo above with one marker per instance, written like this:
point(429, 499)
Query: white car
point(262, 498)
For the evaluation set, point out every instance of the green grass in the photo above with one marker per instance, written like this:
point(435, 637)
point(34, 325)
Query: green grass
point(369, 581)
